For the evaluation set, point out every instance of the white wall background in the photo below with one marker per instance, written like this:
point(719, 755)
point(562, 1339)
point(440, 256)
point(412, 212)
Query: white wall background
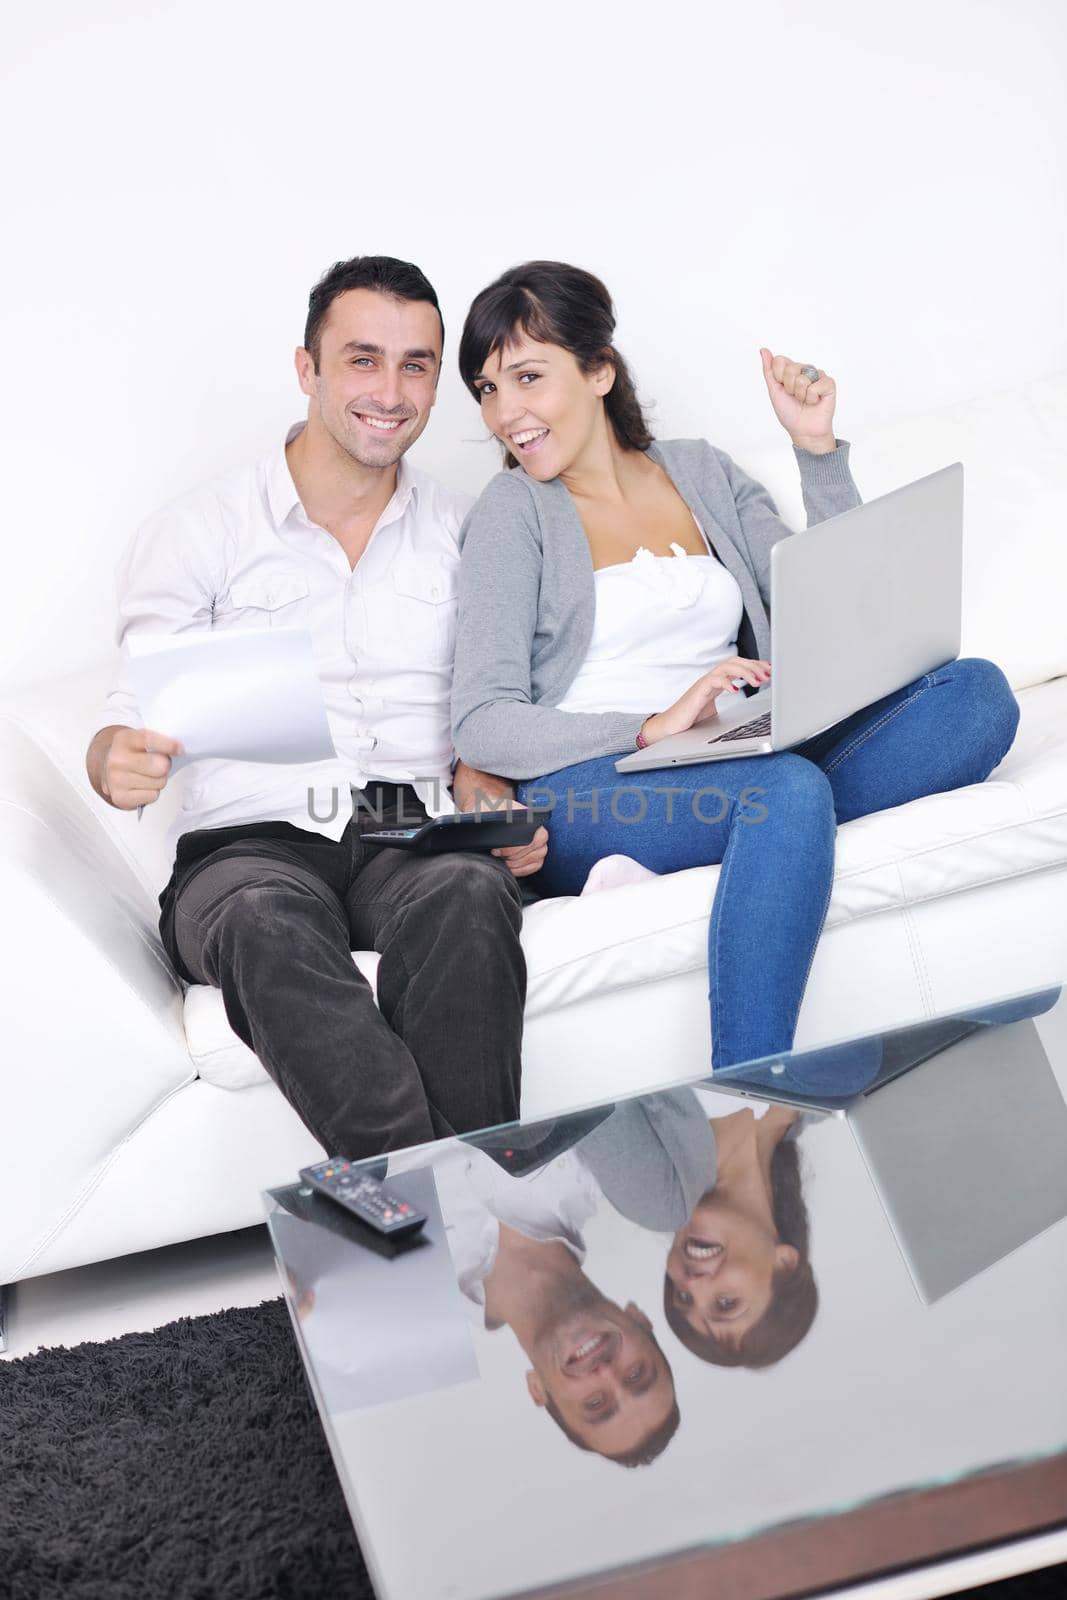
point(876, 188)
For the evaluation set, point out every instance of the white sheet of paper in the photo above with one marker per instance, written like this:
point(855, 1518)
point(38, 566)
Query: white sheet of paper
point(241, 695)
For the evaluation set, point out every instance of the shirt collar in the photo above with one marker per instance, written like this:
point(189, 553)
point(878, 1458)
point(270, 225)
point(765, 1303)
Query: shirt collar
point(407, 484)
point(282, 493)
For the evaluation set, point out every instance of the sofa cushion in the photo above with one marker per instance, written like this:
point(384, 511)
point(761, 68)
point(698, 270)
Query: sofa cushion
point(219, 1056)
point(1013, 446)
point(1014, 823)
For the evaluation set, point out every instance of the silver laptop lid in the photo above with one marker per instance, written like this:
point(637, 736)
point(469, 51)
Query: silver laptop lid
point(864, 603)
point(968, 1153)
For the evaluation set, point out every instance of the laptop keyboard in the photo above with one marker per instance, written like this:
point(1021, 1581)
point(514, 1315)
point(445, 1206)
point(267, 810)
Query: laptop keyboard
point(747, 730)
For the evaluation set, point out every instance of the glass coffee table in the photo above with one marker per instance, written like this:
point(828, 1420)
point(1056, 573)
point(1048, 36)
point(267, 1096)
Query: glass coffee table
point(796, 1329)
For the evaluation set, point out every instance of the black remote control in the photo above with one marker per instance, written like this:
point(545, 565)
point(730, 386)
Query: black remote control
point(366, 1197)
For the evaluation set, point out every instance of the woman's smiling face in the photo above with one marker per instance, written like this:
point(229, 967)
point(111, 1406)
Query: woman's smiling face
point(722, 1266)
point(541, 405)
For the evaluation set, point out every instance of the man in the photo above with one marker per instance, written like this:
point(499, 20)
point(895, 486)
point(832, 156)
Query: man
point(518, 1248)
point(273, 885)
point(596, 1368)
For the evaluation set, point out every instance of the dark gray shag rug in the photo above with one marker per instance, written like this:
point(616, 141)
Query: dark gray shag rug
point(189, 1463)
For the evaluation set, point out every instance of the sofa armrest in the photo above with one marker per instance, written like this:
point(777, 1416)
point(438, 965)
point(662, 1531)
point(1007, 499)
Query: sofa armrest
point(91, 1034)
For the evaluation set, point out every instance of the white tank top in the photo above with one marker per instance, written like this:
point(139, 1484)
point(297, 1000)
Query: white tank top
point(660, 622)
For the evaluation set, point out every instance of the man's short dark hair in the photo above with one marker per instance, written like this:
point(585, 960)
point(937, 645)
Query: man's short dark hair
point(401, 279)
point(644, 1451)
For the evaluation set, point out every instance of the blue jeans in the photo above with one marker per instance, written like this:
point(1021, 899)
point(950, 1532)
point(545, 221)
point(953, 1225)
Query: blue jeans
point(771, 822)
point(834, 1072)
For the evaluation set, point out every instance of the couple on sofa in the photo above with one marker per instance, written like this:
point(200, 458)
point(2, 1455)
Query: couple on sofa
point(611, 589)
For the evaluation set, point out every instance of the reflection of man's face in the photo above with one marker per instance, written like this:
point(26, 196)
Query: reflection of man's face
point(605, 1375)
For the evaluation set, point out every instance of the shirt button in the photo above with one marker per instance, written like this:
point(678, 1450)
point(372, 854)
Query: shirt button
point(778, 1069)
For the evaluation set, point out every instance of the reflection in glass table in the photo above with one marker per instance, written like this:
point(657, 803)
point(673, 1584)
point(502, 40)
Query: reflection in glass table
point(690, 1318)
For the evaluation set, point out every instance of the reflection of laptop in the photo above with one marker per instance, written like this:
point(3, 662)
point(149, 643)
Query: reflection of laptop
point(860, 605)
point(834, 1078)
point(968, 1153)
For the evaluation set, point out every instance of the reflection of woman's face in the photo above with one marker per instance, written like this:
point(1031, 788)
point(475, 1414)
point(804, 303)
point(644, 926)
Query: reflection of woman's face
point(722, 1266)
point(540, 404)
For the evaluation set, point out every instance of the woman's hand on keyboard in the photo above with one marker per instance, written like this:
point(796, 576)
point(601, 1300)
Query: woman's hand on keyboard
point(697, 704)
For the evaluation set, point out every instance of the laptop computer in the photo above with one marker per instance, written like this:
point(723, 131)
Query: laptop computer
point(960, 1121)
point(860, 605)
point(968, 1154)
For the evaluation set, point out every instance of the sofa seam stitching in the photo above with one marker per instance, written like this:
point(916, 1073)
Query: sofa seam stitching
point(83, 1196)
point(914, 947)
point(857, 917)
point(109, 963)
point(983, 833)
point(127, 854)
point(157, 953)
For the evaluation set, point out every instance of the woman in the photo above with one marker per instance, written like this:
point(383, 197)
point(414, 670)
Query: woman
point(739, 1290)
point(614, 589)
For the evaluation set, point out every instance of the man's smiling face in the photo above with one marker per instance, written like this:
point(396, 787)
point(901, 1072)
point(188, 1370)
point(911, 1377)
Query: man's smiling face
point(378, 364)
point(605, 1375)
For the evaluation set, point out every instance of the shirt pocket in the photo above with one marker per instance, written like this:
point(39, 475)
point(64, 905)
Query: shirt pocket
point(275, 600)
point(427, 598)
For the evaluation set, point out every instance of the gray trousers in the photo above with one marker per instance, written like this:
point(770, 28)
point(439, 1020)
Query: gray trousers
point(269, 914)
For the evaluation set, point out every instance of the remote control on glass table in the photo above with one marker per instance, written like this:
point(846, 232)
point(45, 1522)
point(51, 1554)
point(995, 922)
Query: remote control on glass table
point(366, 1197)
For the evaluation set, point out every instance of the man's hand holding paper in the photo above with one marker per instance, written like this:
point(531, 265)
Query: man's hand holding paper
point(241, 695)
point(137, 767)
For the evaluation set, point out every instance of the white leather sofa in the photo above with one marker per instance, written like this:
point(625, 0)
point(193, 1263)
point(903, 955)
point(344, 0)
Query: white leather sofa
point(132, 1117)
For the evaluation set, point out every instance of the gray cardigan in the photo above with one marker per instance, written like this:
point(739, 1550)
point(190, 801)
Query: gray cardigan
point(527, 600)
point(654, 1159)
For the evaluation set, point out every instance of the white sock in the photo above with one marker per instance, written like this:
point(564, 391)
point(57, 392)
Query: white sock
point(611, 872)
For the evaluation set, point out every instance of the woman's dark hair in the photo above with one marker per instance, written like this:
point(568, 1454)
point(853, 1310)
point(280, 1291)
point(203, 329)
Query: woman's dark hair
point(400, 279)
point(555, 304)
point(792, 1310)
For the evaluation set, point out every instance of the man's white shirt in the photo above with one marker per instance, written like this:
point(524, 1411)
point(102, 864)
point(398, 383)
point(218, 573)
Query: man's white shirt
point(241, 552)
point(552, 1203)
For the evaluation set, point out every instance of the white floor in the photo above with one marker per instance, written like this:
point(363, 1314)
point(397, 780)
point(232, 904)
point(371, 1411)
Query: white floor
point(140, 1292)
